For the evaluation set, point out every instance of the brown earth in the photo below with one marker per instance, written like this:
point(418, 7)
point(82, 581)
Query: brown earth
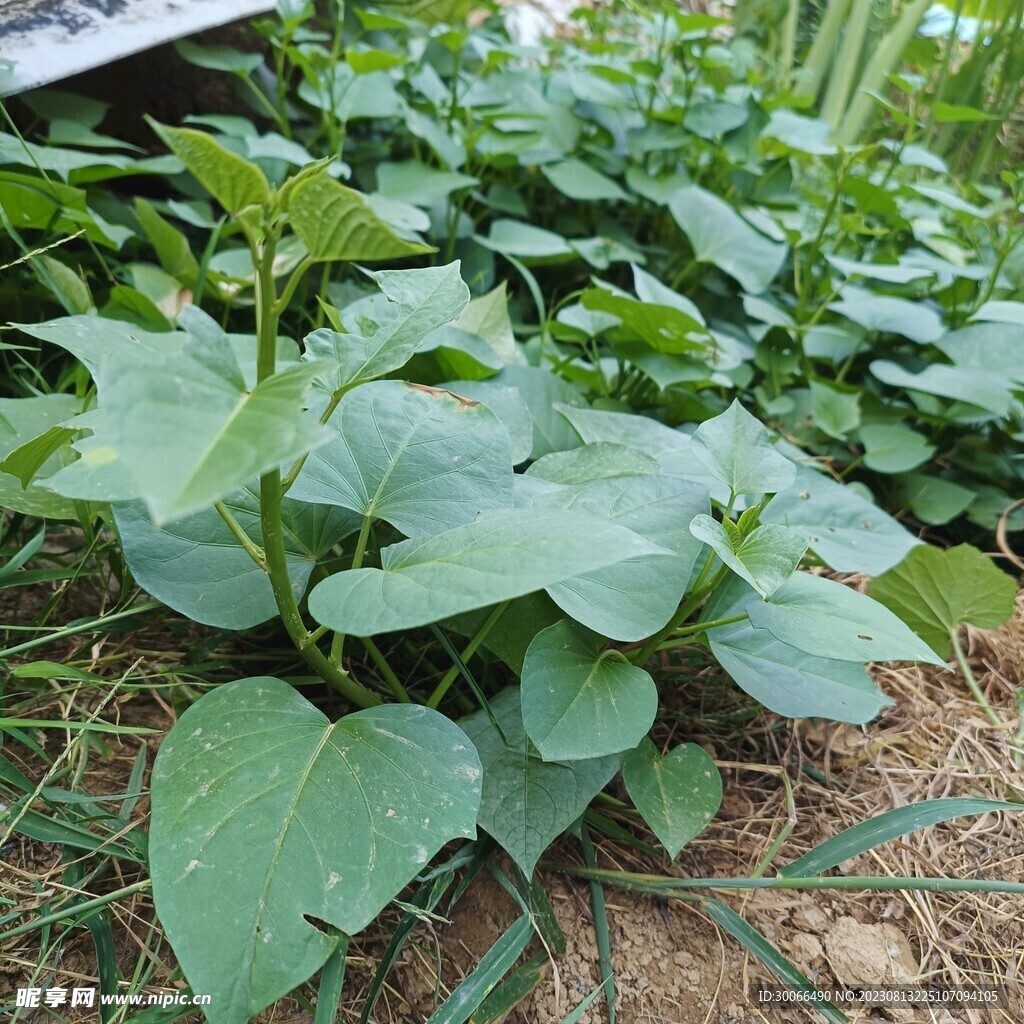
point(671, 963)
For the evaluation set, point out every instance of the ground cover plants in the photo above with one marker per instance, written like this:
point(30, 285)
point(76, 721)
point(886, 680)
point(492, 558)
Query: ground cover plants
point(728, 312)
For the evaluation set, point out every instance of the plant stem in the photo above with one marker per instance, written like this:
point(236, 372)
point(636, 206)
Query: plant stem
point(291, 284)
point(271, 492)
point(685, 634)
point(252, 550)
point(979, 696)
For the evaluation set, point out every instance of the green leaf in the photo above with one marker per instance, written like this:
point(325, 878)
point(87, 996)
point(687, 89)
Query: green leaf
point(950, 113)
point(719, 235)
point(889, 315)
point(885, 827)
point(737, 450)
point(673, 450)
point(765, 558)
point(218, 58)
point(580, 181)
point(508, 405)
point(835, 412)
point(234, 182)
point(514, 238)
point(677, 793)
point(985, 389)
point(580, 701)
point(600, 461)
point(419, 184)
point(665, 328)
point(828, 619)
point(487, 317)
point(545, 395)
point(337, 819)
point(714, 118)
point(337, 223)
point(848, 532)
point(893, 448)
point(892, 273)
point(527, 803)
point(635, 597)
point(172, 248)
point(499, 556)
point(28, 459)
point(935, 500)
point(935, 592)
point(73, 290)
point(198, 568)
point(189, 432)
point(793, 683)
point(420, 301)
point(785, 680)
point(420, 458)
point(23, 421)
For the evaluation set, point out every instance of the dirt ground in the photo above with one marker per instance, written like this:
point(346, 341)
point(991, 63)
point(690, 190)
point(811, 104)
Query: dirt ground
point(672, 964)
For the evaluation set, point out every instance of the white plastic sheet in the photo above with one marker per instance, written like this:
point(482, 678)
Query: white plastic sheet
point(43, 41)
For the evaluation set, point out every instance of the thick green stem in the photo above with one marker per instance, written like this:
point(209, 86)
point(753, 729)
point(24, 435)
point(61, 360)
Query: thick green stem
point(272, 493)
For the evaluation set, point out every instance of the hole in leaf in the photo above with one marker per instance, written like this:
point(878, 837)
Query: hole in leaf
point(319, 924)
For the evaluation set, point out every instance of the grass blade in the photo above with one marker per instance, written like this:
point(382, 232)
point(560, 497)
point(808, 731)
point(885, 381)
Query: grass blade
point(513, 990)
point(493, 966)
point(779, 965)
point(332, 980)
point(601, 933)
point(882, 828)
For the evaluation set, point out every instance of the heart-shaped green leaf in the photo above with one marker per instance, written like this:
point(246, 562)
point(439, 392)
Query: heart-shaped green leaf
point(420, 458)
point(719, 235)
point(579, 701)
point(737, 450)
point(190, 432)
point(635, 597)
point(499, 556)
point(527, 802)
point(935, 591)
point(268, 818)
point(894, 448)
point(830, 620)
point(890, 315)
point(677, 793)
